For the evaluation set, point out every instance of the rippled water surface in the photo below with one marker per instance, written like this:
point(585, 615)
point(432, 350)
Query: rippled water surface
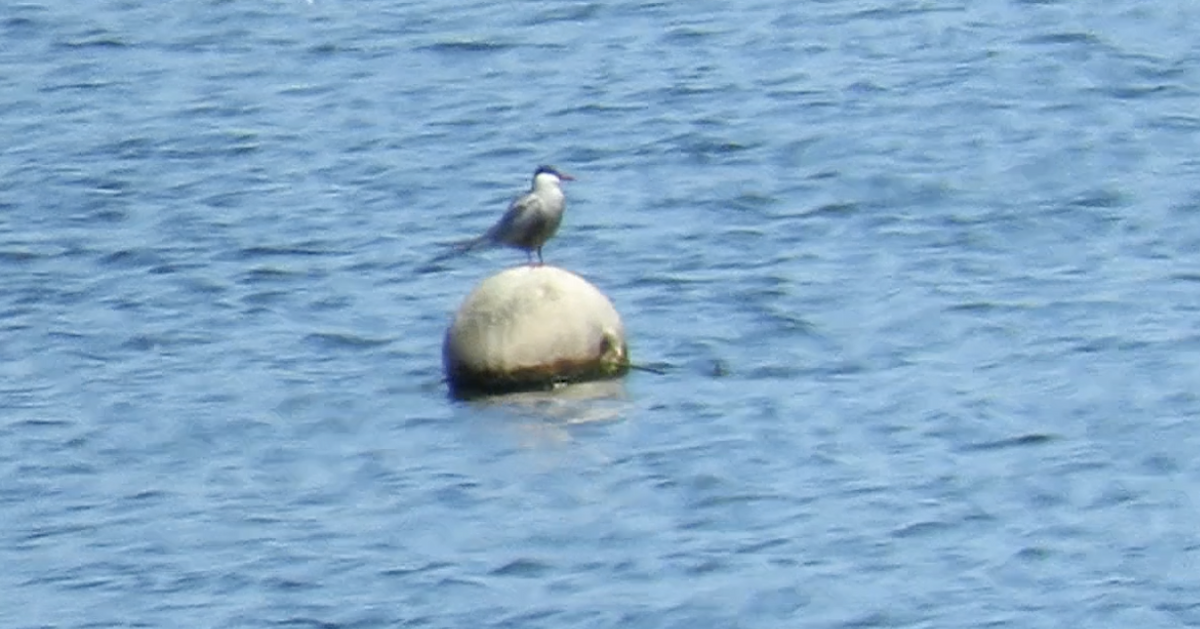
point(923, 277)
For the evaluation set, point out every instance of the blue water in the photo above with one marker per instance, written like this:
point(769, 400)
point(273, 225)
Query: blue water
point(923, 276)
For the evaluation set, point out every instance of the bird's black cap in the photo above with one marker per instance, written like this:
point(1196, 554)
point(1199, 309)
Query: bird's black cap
point(550, 170)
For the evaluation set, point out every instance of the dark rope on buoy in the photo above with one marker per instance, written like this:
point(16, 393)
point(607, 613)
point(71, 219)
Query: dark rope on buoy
point(648, 369)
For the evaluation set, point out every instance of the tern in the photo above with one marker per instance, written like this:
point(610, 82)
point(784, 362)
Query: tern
point(530, 221)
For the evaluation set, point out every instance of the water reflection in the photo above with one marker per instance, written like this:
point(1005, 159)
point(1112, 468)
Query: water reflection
point(581, 403)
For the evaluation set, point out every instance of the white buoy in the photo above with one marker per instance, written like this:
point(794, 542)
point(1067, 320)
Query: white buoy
point(533, 327)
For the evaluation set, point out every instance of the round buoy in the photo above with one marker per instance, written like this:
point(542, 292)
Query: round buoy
point(533, 327)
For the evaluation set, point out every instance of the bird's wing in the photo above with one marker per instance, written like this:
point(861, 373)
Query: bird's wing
point(524, 219)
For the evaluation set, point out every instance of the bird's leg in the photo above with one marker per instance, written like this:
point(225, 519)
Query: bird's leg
point(529, 257)
point(540, 262)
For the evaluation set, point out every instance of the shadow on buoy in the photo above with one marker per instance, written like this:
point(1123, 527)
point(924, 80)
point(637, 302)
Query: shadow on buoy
point(532, 328)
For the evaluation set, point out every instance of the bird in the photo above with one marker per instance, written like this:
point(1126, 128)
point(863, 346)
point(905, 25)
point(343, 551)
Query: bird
point(531, 219)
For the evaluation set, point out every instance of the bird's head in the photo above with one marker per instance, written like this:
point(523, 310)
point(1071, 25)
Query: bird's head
point(550, 171)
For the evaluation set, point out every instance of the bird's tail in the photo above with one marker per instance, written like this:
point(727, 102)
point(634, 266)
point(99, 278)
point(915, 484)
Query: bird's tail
point(460, 248)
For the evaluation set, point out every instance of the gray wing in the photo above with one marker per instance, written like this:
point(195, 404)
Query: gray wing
point(523, 225)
